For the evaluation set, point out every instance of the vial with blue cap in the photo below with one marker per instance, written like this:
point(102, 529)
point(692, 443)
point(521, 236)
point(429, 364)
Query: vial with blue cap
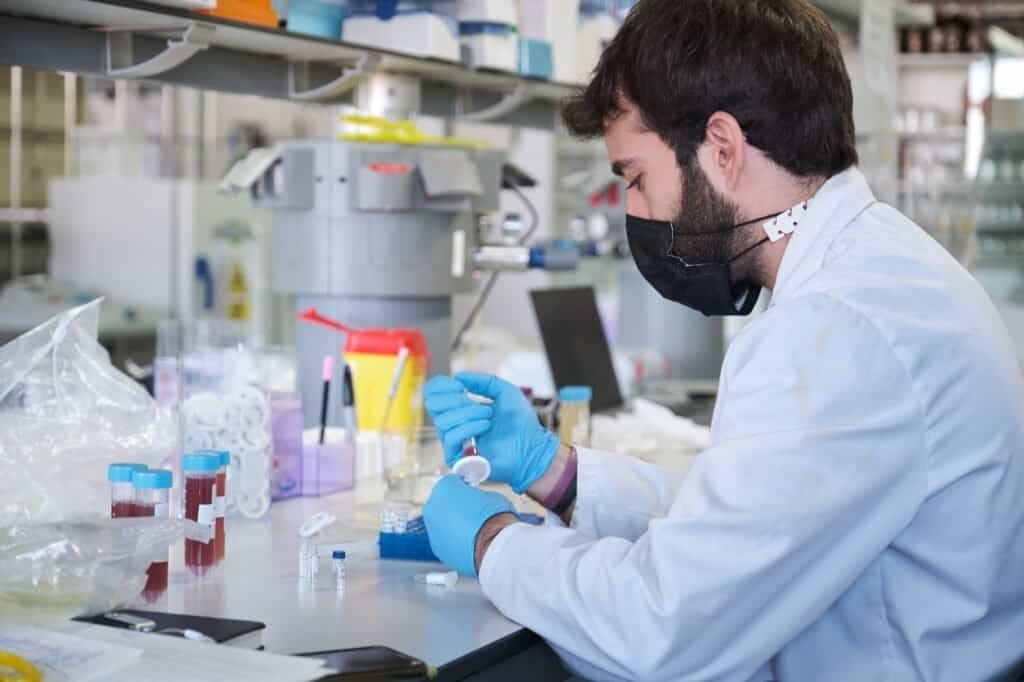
point(200, 472)
point(122, 492)
point(338, 557)
point(219, 500)
point(574, 415)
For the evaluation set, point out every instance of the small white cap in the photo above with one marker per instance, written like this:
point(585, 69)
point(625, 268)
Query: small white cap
point(474, 470)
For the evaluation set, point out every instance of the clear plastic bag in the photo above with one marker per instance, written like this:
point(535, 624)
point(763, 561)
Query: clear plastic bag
point(82, 567)
point(65, 414)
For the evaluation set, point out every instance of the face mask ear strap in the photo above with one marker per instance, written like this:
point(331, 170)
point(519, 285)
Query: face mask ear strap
point(759, 220)
point(747, 250)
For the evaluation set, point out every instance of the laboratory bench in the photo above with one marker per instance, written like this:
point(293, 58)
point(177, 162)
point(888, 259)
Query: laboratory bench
point(457, 631)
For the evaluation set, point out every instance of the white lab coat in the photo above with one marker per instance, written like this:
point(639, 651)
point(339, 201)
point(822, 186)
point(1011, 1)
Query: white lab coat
point(859, 514)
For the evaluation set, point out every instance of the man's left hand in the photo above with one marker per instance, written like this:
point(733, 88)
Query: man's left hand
point(454, 515)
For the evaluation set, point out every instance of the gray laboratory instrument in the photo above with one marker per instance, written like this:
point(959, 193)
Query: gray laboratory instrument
point(374, 235)
point(381, 235)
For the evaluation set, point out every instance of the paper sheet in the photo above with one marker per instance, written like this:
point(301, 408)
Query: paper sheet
point(67, 657)
point(83, 652)
point(172, 659)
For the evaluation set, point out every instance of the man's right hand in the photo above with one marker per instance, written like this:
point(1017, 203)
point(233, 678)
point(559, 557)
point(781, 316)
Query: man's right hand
point(508, 433)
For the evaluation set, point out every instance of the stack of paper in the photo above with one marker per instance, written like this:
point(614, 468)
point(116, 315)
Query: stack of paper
point(78, 651)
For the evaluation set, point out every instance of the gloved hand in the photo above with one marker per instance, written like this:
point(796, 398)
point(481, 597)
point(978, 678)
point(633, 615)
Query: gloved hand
point(454, 515)
point(508, 433)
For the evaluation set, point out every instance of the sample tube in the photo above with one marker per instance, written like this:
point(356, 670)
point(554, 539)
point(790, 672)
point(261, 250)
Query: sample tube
point(219, 500)
point(152, 498)
point(574, 415)
point(200, 473)
point(122, 494)
point(338, 557)
point(473, 468)
point(222, 493)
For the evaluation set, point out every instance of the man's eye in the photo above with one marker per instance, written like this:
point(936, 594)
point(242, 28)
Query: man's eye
point(635, 183)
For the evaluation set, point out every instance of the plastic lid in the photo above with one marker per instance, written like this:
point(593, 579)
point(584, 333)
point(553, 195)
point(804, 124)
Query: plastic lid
point(338, 554)
point(473, 469)
point(121, 472)
point(387, 342)
point(575, 394)
point(223, 456)
point(158, 479)
point(200, 462)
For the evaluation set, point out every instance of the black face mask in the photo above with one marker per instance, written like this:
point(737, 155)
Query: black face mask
point(706, 287)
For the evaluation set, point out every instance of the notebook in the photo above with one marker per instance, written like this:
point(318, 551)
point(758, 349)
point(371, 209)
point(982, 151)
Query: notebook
point(246, 634)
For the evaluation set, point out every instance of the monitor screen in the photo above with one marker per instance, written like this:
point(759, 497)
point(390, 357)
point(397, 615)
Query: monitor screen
point(575, 343)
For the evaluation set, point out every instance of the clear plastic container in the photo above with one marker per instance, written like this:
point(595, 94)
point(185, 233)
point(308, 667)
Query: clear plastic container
point(317, 17)
point(286, 429)
point(200, 472)
point(152, 498)
point(574, 415)
point(122, 493)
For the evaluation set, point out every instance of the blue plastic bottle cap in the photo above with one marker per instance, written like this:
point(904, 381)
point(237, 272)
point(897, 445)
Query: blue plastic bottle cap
point(338, 554)
point(223, 456)
point(575, 394)
point(199, 462)
point(157, 479)
point(121, 472)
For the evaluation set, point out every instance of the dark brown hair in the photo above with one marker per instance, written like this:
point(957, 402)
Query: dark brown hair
point(775, 65)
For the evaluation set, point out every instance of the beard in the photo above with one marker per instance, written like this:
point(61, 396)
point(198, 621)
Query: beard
point(703, 228)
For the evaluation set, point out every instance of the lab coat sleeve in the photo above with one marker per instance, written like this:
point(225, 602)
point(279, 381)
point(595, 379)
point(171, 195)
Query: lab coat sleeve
point(817, 464)
point(618, 495)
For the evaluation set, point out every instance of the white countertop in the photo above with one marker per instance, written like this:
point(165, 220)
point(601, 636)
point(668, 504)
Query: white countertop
point(381, 604)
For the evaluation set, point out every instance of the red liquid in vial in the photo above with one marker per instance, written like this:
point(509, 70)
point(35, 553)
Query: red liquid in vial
point(199, 556)
point(156, 581)
point(469, 449)
point(122, 510)
point(222, 485)
point(156, 574)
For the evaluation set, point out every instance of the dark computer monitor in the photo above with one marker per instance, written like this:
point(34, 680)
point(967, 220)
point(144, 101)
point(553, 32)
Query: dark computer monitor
point(576, 346)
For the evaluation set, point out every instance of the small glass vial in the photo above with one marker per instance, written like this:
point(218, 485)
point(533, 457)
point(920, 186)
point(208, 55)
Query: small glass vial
point(122, 493)
point(200, 472)
point(574, 415)
point(338, 557)
point(152, 498)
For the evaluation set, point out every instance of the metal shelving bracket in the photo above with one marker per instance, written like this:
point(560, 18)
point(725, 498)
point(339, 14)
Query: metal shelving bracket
point(511, 101)
point(121, 54)
point(299, 87)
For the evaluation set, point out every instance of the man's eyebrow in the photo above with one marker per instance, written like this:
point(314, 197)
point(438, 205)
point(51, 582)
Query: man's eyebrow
point(619, 167)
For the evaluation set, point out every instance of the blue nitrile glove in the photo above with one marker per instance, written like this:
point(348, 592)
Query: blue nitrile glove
point(454, 515)
point(508, 433)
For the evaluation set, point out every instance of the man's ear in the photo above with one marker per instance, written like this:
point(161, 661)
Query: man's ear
point(725, 146)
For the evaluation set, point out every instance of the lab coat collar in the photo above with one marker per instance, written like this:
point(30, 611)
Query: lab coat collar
point(838, 203)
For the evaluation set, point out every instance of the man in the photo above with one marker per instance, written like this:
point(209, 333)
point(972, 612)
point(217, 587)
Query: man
point(859, 514)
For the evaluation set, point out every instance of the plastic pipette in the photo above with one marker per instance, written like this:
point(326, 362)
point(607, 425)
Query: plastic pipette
point(396, 378)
